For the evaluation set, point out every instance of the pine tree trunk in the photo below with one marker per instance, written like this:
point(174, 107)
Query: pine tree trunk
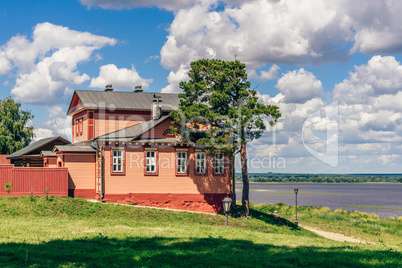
point(245, 195)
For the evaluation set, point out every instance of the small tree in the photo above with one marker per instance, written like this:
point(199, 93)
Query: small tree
point(14, 134)
point(7, 187)
point(218, 96)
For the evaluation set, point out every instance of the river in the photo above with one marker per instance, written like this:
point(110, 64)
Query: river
point(383, 199)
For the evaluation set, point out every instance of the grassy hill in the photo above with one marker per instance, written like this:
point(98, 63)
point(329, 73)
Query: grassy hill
point(67, 232)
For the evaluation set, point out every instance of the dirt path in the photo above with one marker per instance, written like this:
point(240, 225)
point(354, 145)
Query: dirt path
point(335, 236)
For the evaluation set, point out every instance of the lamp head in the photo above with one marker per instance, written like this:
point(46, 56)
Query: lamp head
point(296, 190)
point(227, 202)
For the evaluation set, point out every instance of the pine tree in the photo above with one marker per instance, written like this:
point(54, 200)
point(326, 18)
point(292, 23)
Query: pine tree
point(218, 110)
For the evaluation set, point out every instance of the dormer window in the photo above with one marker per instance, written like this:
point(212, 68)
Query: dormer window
point(167, 132)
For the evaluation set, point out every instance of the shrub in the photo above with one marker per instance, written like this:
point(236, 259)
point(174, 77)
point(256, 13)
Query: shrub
point(7, 187)
point(47, 194)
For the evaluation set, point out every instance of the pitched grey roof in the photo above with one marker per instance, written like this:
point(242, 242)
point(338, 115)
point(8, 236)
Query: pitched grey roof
point(132, 132)
point(72, 148)
point(162, 140)
point(125, 100)
point(34, 148)
point(47, 153)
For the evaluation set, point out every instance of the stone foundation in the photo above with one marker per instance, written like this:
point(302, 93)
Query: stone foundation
point(211, 203)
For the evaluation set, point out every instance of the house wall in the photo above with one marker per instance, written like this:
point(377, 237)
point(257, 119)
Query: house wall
point(50, 161)
point(81, 171)
point(84, 136)
point(157, 131)
point(190, 192)
point(105, 121)
point(109, 121)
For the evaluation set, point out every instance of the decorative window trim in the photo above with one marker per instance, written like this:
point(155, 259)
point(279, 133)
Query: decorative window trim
point(196, 162)
point(179, 152)
point(123, 160)
point(222, 164)
point(147, 173)
point(81, 126)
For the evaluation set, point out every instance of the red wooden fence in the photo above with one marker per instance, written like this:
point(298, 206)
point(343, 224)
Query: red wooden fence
point(37, 180)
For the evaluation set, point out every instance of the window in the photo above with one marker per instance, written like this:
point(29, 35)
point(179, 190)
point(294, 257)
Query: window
point(182, 162)
point(167, 132)
point(76, 128)
point(200, 163)
point(219, 163)
point(117, 161)
point(150, 162)
point(81, 126)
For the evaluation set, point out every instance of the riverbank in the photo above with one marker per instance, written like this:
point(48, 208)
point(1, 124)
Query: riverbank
point(54, 232)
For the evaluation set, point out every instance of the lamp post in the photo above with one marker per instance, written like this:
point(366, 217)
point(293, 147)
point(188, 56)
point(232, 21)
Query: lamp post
point(296, 191)
point(227, 202)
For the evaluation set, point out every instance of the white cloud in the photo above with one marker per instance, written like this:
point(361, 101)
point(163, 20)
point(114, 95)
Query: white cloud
point(370, 98)
point(48, 64)
point(299, 86)
point(174, 79)
point(125, 4)
point(378, 26)
point(389, 158)
point(56, 111)
point(287, 31)
point(381, 75)
point(5, 64)
point(120, 78)
point(271, 74)
point(155, 57)
point(42, 133)
point(58, 124)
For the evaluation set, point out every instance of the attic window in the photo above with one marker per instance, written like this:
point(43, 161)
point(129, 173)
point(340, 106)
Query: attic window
point(167, 132)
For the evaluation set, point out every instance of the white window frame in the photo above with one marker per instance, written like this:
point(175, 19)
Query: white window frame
point(219, 164)
point(181, 162)
point(150, 162)
point(200, 163)
point(117, 161)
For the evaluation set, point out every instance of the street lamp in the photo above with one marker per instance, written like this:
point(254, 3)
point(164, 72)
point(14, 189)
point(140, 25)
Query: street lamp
point(296, 191)
point(227, 202)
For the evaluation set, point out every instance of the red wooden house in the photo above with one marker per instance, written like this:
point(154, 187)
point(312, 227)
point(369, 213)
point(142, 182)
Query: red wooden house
point(123, 151)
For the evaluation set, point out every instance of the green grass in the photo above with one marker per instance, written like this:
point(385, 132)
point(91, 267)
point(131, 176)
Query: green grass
point(313, 194)
point(364, 207)
point(368, 227)
point(66, 232)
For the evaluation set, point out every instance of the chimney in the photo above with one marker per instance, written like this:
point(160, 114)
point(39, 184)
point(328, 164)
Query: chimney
point(156, 109)
point(138, 89)
point(108, 88)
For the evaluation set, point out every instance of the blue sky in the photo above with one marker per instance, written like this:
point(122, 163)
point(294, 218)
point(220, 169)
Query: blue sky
point(307, 57)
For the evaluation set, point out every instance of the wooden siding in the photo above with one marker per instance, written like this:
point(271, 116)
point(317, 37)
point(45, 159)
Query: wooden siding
point(167, 181)
point(109, 121)
point(81, 169)
point(157, 131)
point(50, 161)
point(37, 180)
point(36, 161)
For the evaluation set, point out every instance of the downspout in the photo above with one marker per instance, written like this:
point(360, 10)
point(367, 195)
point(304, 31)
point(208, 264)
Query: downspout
point(234, 182)
point(100, 171)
